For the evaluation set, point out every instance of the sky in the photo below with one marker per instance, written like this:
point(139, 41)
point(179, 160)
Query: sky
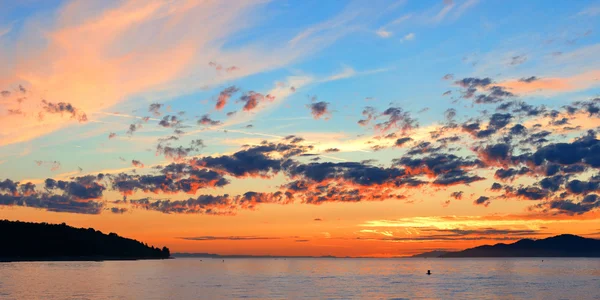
point(345, 128)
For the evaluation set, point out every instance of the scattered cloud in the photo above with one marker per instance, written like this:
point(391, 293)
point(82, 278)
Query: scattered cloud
point(408, 37)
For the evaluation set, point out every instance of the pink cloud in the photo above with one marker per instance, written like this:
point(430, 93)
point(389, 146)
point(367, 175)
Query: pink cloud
point(554, 85)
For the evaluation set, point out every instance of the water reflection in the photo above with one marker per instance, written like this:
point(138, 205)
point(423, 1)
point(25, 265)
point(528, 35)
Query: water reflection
point(304, 278)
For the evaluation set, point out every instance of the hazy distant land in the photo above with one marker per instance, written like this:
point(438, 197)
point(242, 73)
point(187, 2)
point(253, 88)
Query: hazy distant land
point(564, 245)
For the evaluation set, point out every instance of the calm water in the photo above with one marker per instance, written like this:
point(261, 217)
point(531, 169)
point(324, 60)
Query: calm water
point(191, 278)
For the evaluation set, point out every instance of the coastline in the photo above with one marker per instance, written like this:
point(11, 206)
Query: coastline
point(77, 258)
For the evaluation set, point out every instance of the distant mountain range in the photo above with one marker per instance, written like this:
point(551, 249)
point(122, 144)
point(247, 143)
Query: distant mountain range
point(22, 241)
point(565, 245)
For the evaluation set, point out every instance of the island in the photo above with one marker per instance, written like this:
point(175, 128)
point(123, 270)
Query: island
point(24, 241)
point(564, 245)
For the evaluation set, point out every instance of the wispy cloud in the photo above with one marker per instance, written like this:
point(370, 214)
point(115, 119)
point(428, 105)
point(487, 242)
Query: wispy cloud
point(349, 72)
point(408, 37)
point(385, 31)
point(450, 10)
point(329, 30)
point(5, 30)
point(229, 238)
point(591, 11)
point(462, 222)
point(554, 85)
point(94, 76)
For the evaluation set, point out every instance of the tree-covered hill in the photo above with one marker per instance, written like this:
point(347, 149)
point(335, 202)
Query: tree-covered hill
point(24, 241)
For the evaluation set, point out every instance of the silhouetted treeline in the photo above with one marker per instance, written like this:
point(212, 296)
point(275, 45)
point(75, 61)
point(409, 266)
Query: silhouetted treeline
point(42, 241)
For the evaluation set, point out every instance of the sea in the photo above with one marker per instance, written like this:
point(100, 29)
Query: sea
point(305, 278)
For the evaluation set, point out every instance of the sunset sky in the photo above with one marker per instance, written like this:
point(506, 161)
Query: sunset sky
point(346, 128)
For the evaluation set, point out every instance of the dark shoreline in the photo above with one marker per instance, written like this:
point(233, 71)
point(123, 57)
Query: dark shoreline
point(102, 259)
point(76, 259)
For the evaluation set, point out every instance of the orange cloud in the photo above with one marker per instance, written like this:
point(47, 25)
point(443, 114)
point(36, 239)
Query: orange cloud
point(95, 56)
point(553, 85)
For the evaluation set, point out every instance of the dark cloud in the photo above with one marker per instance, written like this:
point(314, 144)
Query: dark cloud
point(455, 177)
point(482, 200)
point(81, 188)
point(569, 207)
point(531, 193)
point(206, 120)
point(487, 93)
point(435, 164)
point(529, 79)
point(524, 109)
point(472, 128)
point(552, 183)
point(9, 186)
point(585, 150)
point(293, 139)
point(498, 154)
point(180, 152)
point(496, 186)
point(319, 109)
point(450, 139)
point(537, 139)
point(133, 128)
point(78, 196)
point(517, 60)
point(118, 210)
point(63, 107)
point(213, 205)
point(174, 153)
point(591, 198)
point(369, 114)
point(250, 162)
point(450, 114)
point(396, 118)
point(474, 82)
point(504, 174)
point(174, 178)
point(154, 108)
point(457, 195)
point(402, 141)
point(518, 129)
point(584, 187)
point(354, 172)
point(317, 193)
point(424, 147)
point(170, 121)
point(499, 121)
point(495, 94)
